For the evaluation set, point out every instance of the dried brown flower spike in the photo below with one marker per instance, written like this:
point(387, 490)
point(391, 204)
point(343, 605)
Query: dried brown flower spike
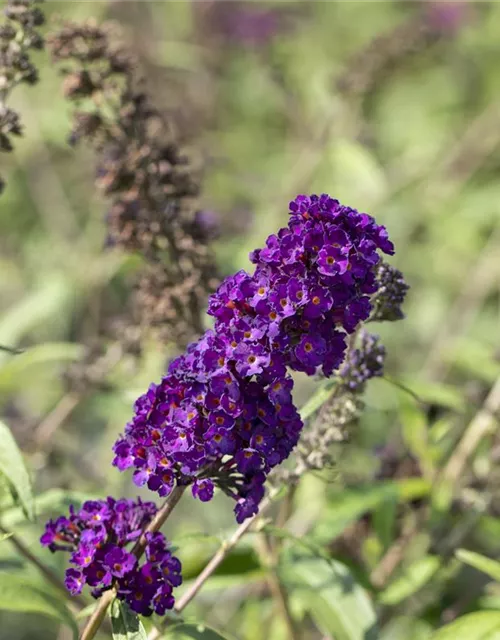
point(150, 181)
point(18, 36)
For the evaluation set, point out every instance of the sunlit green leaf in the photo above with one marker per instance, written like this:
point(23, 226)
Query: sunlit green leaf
point(350, 504)
point(441, 394)
point(13, 468)
point(480, 562)
point(384, 521)
point(53, 500)
point(406, 628)
point(24, 595)
point(413, 578)
point(476, 360)
point(339, 606)
point(193, 632)
point(482, 625)
point(34, 309)
point(125, 624)
point(15, 369)
point(415, 431)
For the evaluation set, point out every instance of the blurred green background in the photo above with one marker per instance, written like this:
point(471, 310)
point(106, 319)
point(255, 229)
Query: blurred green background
point(391, 107)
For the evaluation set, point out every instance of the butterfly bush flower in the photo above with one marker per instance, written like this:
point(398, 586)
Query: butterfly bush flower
point(311, 284)
point(97, 537)
point(223, 416)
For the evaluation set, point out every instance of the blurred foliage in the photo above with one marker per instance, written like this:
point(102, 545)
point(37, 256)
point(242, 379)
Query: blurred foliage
point(368, 550)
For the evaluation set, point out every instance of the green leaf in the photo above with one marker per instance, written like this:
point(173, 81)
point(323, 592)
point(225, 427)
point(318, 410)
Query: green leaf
point(480, 562)
point(125, 624)
point(350, 504)
point(13, 468)
point(317, 400)
point(86, 612)
point(413, 579)
point(306, 542)
point(193, 632)
point(339, 606)
point(4, 536)
point(384, 522)
point(53, 500)
point(34, 309)
point(440, 394)
point(481, 625)
point(25, 595)
point(407, 628)
point(15, 369)
point(476, 359)
point(415, 431)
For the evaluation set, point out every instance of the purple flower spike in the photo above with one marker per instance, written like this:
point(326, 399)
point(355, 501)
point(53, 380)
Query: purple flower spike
point(223, 416)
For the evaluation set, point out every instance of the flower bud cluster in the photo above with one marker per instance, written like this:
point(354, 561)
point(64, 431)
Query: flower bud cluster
point(335, 420)
point(364, 362)
point(97, 537)
point(391, 293)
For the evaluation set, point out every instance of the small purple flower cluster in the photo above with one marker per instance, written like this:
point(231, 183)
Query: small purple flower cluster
point(97, 537)
point(224, 415)
point(363, 363)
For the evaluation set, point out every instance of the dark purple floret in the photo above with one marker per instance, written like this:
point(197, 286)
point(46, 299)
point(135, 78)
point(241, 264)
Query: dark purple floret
point(223, 416)
point(97, 537)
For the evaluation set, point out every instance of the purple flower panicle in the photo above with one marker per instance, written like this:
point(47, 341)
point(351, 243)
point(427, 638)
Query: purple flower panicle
point(311, 284)
point(97, 537)
point(224, 415)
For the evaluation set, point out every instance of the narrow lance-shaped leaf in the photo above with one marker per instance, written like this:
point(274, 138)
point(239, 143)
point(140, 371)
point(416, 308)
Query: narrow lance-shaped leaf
point(24, 595)
point(13, 468)
point(193, 632)
point(52, 501)
point(350, 504)
point(412, 580)
point(481, 625)
point(480, 562)
point(38, 356)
